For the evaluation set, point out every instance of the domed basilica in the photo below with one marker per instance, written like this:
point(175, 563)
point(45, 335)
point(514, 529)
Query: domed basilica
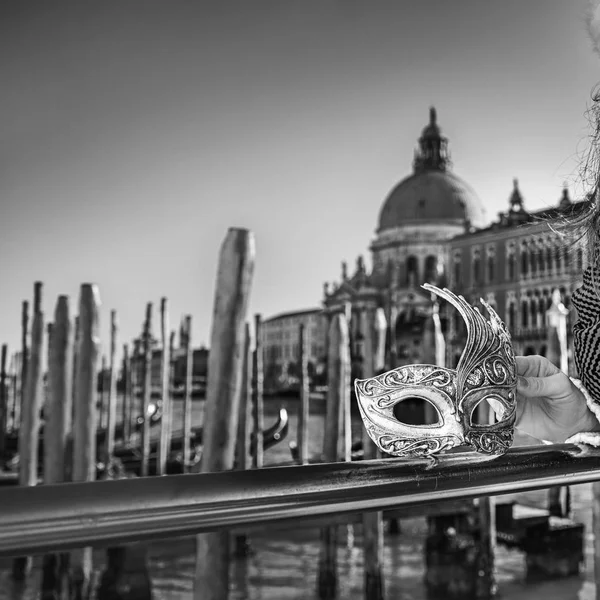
point(432, 228)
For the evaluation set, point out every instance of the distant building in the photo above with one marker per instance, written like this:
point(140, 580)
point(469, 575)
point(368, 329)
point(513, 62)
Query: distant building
point(281, 347)
point(514, 264)
point(432, 228)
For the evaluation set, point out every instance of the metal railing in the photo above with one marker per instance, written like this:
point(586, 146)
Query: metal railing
point(58, 517)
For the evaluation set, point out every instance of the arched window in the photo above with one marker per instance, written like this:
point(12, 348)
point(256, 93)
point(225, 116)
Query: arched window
point(558, 258)
point(534, 312)
point(490, 269)
point(524, 314)
point(524, 261)
point(431, 269)
point(549, 258)
point(533, 260)
point(511, 267)
point(511, 316)
point(476, 268)
point(579, 259)
point(412, 270)
point(456, 270)
point(541, 259)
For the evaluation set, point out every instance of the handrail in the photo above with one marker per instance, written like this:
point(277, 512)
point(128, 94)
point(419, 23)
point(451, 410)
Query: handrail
point(58, 517)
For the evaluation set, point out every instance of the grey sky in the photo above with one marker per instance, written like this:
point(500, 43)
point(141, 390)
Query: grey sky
point(133, 134)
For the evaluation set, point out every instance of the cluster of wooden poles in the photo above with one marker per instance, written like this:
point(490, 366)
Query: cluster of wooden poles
point(232, 411)
point(69, 399)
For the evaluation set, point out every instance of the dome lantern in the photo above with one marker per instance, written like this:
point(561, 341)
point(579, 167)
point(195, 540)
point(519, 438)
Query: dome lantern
point(432, 154)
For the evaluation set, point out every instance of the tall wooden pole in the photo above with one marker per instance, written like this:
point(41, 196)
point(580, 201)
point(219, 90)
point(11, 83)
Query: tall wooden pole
point(187, 398)
point(57, 459)
point(75, 366)
point(375, 330)
point(556, 352)
point(3, 399)
point(224, 387)
point(24, 359)
point(243, 448)
point(146, 389)
point(171, 382)
point(102, 393)
point(112, 389)
point(16, 391)
point(164, 445)
point(257, 394)
point(85, 420)
point(127, 395)
point(30, 414)
point(304, 398)
point(338, 367)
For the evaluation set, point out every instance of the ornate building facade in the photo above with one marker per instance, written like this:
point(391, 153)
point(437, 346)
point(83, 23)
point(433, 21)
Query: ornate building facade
point(432, 228)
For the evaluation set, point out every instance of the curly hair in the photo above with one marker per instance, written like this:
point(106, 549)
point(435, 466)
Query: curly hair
point(584, 224)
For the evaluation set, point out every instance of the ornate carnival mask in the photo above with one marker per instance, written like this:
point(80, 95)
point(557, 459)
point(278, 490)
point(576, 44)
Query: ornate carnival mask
point(485, 371)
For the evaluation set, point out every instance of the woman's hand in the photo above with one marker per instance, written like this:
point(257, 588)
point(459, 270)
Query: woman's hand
point(550, 407)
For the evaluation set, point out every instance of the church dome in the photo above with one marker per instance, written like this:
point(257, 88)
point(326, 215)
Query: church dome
point(432, 193)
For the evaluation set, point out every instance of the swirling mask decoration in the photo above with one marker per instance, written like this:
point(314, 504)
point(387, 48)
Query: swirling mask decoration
point(485, 371)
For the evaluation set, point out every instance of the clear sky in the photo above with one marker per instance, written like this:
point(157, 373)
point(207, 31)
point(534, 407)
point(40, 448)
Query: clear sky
point(132, 135)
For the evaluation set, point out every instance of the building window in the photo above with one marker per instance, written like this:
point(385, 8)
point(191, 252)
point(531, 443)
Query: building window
point(412, 270)
point(579, 259)
point(431, 269)
point(456, 268)
point(476, 267)
point(511, 316)
point(534, 312)
point(490, 252)
point(558, 259)
point(524, 260)
point(524, 314)
point(541, 258)
point(532, 253)
point(549, 258)
point(490, 269)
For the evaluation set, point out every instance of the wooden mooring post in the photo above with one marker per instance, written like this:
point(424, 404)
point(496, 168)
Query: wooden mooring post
point(304, 412)
point(146, 389)
point(126, 575)
point(164, 445)
point(224, 388)
point(85, 422)
point(102, 395)
point(57, 429)
point(30, 413)
point(557, 353)
point(243, 447)
point(257, 395)
point(127, 407)
point(3, 398)
point(337, 390)
point(111, 423)
point(374, 330)
point(187, 398)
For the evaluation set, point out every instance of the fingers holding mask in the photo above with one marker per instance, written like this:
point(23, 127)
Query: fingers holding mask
point(535, 366)
point(551, 386)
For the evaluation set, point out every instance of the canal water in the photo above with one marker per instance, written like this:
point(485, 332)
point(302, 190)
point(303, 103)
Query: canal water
point(283, 564)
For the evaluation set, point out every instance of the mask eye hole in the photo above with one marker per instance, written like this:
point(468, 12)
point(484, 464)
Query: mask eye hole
point(417, 411)
point(487, 411)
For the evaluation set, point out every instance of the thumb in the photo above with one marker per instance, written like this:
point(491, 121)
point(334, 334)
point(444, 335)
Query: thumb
point(550, 386)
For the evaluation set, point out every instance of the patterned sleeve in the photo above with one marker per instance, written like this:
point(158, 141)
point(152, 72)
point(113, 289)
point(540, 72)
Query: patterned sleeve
point(586, 341)
point(586, 332)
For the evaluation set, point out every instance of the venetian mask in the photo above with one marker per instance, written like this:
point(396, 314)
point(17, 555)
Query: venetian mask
point(486, 371)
